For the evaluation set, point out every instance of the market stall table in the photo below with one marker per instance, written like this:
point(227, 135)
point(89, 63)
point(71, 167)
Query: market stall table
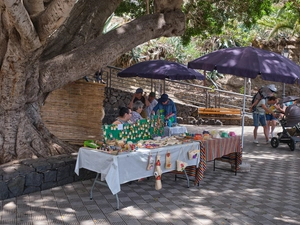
point(170, 131)
point(216, 148)
point(120, 169)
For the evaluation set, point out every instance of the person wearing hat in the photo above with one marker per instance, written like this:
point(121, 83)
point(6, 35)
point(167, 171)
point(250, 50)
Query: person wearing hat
point(138, 96)
point(259, 117)
point(153, 102)
point(166, 107)
point(263, 92)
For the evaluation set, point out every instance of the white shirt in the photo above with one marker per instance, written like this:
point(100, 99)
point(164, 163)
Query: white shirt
point(150, 107)
point(259, 109)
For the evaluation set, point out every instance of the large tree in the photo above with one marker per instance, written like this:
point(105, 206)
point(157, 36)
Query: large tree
point(45, 44)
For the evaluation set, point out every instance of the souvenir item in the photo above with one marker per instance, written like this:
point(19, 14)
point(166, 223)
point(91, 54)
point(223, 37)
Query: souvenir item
point(193, 154)
point(205, 132)
point(213, 132)
point(90, 144)
point(150, 162)
point(198, 137)
point(157, 173)
point(168, 160)
point(224, 134)
point(217, 135)
point(181, 165)
point(206, 136)
point(144, 129)
point(232, 134)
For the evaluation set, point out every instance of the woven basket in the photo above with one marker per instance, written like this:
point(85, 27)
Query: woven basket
point(74, 113)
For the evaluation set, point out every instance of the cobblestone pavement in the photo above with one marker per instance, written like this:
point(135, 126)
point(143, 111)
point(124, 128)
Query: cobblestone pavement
point(268, 194)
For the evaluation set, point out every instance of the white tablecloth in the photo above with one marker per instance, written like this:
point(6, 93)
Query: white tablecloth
point(169, 131)
point(120, 169)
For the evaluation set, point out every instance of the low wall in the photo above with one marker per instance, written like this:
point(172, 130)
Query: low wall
point(32, 175)
point(187, 114)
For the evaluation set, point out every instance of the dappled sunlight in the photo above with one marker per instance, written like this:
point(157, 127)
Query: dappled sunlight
point(287, 220)
point(269, 193)
point(10, 206)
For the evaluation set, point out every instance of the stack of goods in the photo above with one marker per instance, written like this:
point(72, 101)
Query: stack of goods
point(116, 147)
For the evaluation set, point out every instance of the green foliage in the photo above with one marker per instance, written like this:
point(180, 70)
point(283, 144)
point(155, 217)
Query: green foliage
point(206, 18)
point(242, 89)
point(133, 8)
point(284, 18)
point(213, 75)
point(108, 26)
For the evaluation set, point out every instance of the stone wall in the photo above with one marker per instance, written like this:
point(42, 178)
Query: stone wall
point(32, 175)
point(187, 114)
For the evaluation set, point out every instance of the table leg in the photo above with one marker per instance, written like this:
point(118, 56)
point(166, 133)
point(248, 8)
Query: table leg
point(104, 184)
point(95, 181)
point(187, 178)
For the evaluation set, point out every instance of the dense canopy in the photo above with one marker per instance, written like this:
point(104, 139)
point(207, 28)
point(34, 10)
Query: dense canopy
point(47, 44)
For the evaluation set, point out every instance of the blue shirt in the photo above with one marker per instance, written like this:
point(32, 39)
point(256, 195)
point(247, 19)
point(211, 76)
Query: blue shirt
point(167, 109)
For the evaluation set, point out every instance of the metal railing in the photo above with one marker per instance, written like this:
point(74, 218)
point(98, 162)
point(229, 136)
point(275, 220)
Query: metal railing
point(180, 91)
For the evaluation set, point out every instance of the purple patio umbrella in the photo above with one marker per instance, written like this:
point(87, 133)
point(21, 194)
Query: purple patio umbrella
point(161, 69)
point(249, 62)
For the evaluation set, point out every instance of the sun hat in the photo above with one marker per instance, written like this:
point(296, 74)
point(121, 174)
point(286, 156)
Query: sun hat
point(232, 134)
point(139, 90)
point(272, 87)
point(224, 134)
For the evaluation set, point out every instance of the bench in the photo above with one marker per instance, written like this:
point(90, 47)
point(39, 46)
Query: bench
point(220, 113)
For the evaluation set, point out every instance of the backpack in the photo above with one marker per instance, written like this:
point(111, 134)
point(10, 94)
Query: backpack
point(263, 92)
point(260, 92)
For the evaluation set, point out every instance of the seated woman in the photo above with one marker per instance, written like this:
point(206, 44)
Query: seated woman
point(137, 108)
point(124, 116)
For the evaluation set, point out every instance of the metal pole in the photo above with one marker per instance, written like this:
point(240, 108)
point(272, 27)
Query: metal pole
point(285, 53)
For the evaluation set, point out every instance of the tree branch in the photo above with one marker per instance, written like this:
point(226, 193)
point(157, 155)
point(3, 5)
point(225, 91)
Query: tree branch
point(34, 7)
point(53, 17)
point(85, 23)
point(100, 52)
point(22, 22)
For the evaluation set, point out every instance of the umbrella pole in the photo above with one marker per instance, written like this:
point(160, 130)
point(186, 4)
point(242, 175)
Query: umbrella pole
point(244, 167)
point(243, 116)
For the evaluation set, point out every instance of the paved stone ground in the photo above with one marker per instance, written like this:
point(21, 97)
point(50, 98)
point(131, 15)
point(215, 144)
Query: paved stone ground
point(268, 194)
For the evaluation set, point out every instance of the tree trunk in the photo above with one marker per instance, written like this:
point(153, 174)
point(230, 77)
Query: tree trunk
point(35, 60)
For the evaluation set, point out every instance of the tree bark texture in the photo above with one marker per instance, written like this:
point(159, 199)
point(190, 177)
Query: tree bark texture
point(47, 44)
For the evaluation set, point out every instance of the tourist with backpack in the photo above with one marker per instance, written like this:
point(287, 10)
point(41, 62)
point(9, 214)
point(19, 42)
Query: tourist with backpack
point(263, 92)
point(260, 109)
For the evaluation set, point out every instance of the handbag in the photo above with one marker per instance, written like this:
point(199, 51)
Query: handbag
point(180, 165)
point(193, 154)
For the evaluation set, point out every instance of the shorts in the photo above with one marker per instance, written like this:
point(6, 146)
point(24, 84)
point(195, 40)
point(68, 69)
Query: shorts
point(259, 118)
point(270, 117)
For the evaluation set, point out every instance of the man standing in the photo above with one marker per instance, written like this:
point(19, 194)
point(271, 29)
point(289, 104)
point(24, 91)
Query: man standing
point(259, 117)
point(138, 96)
point(166, 107)
point(153, 102)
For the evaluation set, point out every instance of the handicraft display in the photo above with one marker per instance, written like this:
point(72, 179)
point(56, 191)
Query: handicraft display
point(142, 130)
